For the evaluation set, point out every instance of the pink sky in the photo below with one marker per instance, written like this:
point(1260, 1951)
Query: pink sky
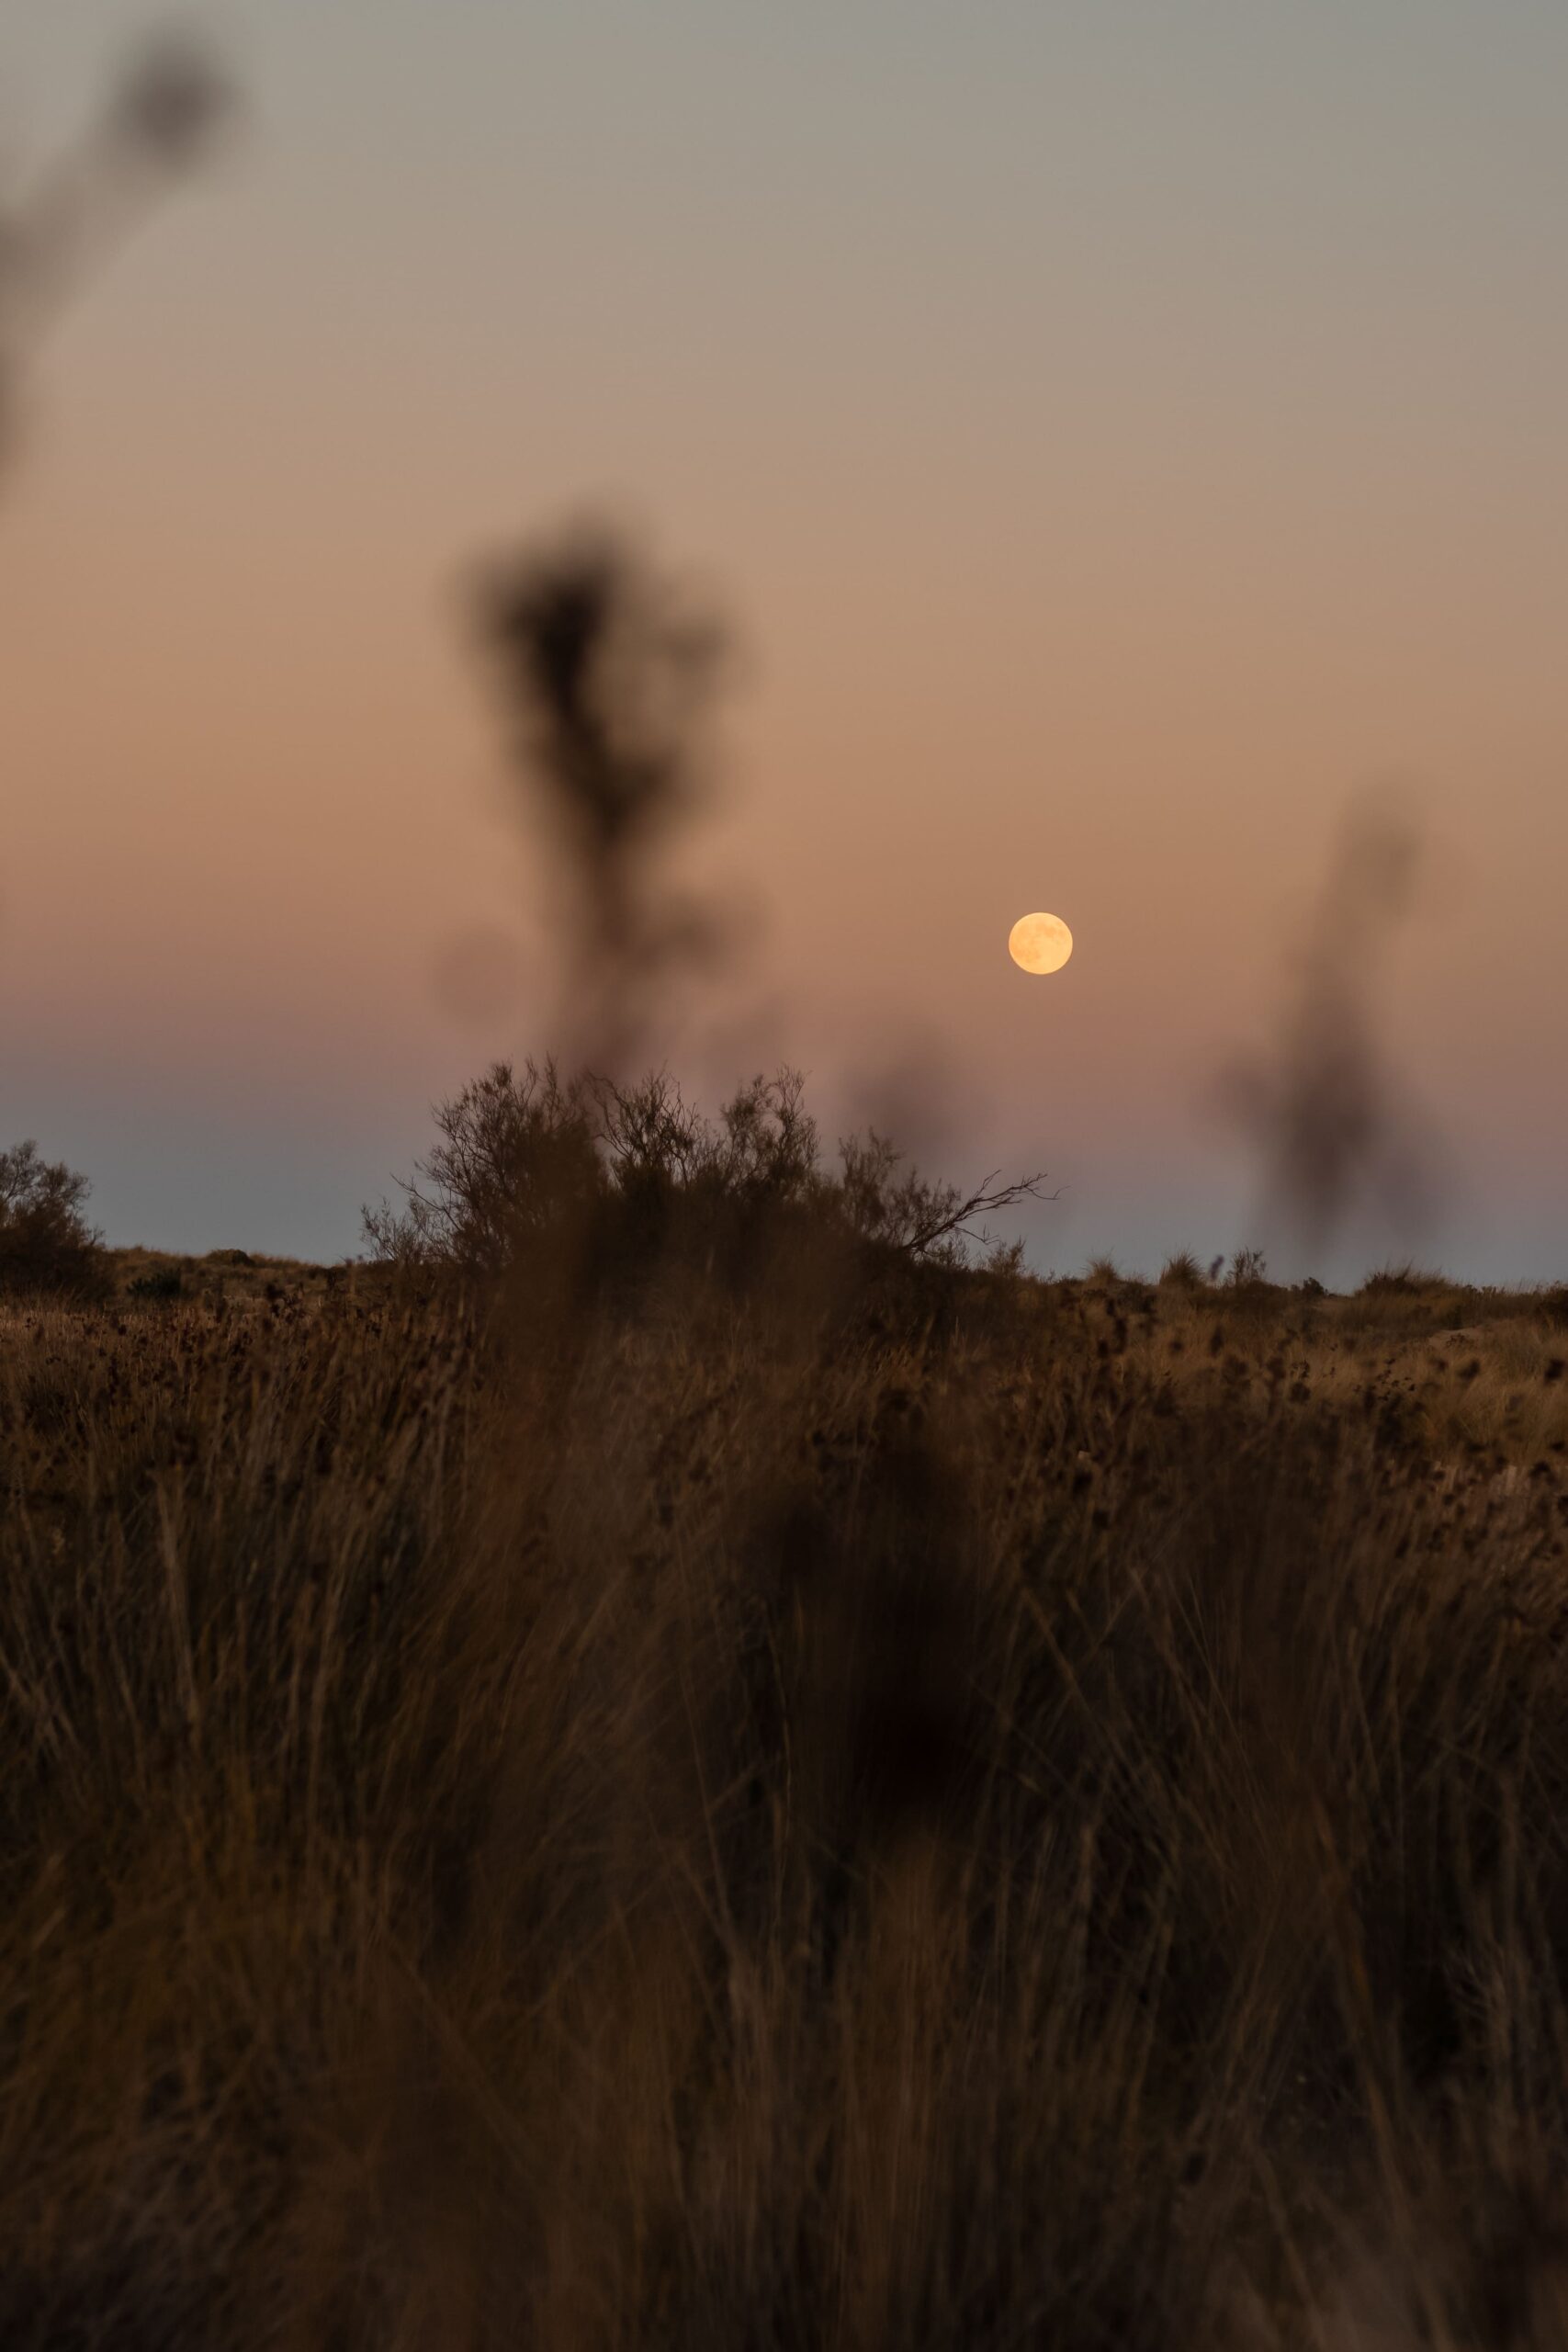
point(1113, 450)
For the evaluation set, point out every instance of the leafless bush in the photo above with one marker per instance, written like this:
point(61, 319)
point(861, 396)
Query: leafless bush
point(517, 1156)
point(886, 1200)
point(592, 1164)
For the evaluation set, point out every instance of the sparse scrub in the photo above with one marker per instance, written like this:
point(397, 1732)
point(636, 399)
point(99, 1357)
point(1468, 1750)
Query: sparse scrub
point(1405, 1280)
point(535, 1170)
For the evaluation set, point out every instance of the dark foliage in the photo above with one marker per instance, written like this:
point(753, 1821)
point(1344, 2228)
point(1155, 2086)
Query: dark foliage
point(533, 1169)
point(47, 1247)
point(163, 1284)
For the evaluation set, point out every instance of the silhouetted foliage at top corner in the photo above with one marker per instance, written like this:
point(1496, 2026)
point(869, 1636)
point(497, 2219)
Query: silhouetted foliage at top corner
point(47, 1247)
point(162, 115)
point(170, 104)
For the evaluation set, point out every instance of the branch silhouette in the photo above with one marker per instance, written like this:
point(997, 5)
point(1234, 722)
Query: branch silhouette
point(163, 117)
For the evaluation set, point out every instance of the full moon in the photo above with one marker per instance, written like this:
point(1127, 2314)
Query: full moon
point(1040, 943)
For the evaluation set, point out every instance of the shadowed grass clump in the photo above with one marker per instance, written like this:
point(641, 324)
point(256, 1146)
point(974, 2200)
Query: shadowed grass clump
point(1182, 1272)
point(980, 1814)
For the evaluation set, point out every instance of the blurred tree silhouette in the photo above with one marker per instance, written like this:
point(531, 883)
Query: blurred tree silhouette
point(1334, 1132)
point(161, 118)
point(608, 675)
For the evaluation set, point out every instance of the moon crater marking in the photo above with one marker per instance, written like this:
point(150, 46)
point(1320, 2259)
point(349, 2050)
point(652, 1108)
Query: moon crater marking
point(1040, 943)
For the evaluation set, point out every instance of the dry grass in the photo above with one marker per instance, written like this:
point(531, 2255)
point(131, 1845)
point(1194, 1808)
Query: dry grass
point(975, 1813)
point(224, 1277)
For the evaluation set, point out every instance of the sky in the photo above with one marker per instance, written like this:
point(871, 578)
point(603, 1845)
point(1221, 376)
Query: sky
point(1118, 434)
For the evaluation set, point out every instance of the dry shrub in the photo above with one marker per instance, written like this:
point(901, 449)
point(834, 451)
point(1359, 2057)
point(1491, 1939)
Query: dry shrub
point(547, 1190)
point(47, 1247)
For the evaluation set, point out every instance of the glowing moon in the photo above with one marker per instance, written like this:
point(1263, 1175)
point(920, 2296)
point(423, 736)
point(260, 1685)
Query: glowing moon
point(1040, 943)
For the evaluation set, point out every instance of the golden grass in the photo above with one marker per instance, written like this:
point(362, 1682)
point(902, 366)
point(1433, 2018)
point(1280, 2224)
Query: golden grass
point(982, 1813)
point(225, 1275)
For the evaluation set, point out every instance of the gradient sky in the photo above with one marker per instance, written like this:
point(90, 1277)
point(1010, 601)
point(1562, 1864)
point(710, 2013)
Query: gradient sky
point(1118, 431)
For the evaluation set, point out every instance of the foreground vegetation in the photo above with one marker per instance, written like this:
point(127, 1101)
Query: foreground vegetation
point(881, 1805)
